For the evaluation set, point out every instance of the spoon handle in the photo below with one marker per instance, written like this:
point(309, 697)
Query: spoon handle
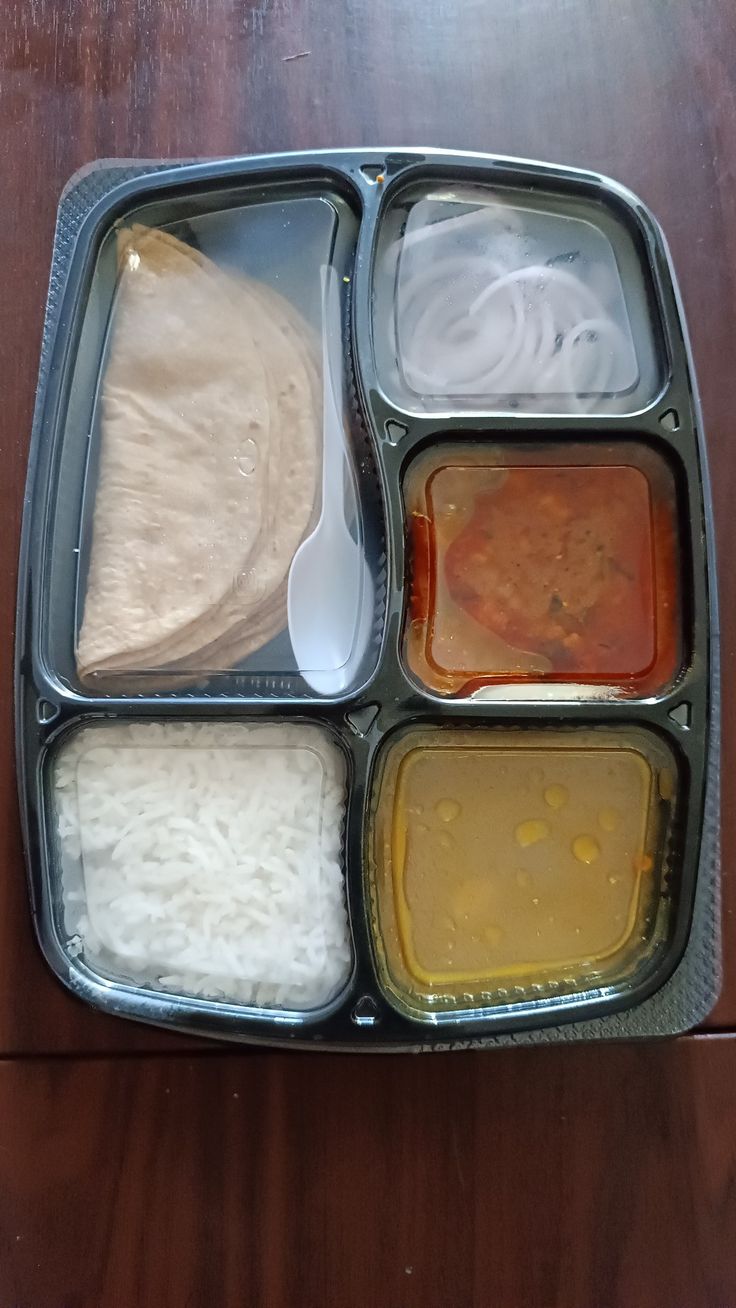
point(333, 435)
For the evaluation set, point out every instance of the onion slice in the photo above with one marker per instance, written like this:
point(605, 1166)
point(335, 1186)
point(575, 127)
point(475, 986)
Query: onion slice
point(472, 319)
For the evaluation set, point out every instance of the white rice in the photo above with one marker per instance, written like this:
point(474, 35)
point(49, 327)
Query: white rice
point(205, 859)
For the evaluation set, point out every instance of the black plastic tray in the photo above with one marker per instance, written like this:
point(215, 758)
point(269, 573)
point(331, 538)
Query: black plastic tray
point(684, 984)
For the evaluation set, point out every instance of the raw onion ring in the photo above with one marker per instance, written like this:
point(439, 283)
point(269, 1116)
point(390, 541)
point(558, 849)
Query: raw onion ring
point(472, 324)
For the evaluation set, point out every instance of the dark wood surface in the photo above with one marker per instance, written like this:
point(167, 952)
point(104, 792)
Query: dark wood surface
point(591, 1177)
point(545, 1178)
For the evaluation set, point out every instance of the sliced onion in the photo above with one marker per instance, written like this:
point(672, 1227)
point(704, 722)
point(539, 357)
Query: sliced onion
point(475, 323)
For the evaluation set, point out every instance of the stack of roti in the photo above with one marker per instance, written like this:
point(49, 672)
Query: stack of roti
point(209, 466)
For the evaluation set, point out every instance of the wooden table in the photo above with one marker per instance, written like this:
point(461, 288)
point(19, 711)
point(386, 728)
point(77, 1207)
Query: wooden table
point(137, 1169)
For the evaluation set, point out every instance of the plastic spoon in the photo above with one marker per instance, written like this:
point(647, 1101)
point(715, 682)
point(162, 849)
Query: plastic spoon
point(330, 597)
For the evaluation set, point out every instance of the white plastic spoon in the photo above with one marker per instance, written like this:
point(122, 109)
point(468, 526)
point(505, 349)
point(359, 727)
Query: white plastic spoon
point(330, 597)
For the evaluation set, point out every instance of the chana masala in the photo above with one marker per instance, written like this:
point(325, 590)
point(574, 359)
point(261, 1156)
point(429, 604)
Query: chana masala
point(541, 572)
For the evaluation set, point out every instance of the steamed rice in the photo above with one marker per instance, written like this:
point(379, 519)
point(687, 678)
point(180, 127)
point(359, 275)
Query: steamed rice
point(206, 859)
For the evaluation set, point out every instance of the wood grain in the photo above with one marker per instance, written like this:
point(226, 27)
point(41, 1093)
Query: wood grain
point(565, 1178)
point(644, 92)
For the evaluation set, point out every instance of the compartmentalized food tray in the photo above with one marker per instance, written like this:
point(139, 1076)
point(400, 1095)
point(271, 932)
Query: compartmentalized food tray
point(367, 650)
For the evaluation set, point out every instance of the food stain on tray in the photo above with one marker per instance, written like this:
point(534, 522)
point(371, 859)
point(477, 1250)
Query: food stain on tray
point(549, 871)
point(521, 569)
